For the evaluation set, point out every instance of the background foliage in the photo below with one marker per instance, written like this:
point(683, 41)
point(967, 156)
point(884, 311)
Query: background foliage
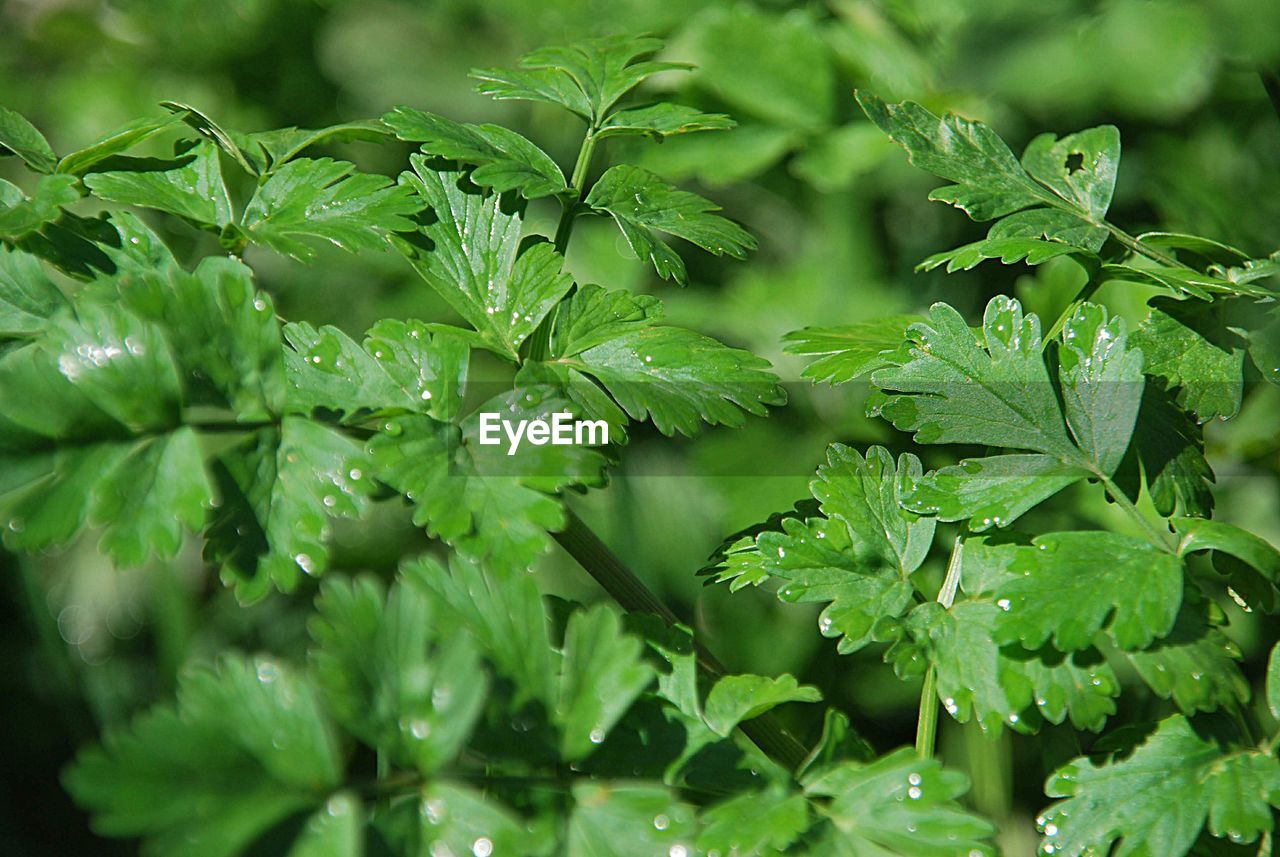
point(841, 219)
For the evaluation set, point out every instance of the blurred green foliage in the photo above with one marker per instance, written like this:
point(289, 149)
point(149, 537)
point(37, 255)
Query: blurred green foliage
point(840, 216)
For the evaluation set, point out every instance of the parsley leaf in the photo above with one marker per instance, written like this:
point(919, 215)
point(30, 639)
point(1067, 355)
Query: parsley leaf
point(190, 186)
point(20, 137)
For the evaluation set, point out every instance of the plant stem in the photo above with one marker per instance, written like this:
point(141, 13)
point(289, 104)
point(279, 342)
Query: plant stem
point(1164, 541)
point(540, 341)
point(927, 722)
point(581, 543)
point(1137, 246)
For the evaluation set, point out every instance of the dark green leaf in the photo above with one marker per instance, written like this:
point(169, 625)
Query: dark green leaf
point(455, 819)
point(1080, 168)
point(736, 698)
point(1069, 586)
point(629, 820)
point(660, 121)
point(989, 492)
point(1169, 447)
point(1157, 800)
point(28, 298)
point(1198, 534)
point(642, 205)
point(1101, 384)
point(20, 216)
point(1189, 347)
point(761, 823)
point(117, 142)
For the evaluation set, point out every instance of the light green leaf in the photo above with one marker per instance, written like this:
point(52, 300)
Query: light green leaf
point(628, 820)
point(586, 78)
point(593, 315)
point(995, 391)
point(989, 181)
point(28, 298)
point(471, 256)
point(190, 186)
point(763, 823)
point(282, 145)
point(1010, 251)
point(223, 139)
point(248, 744)
point(500, 607)
point(672, 376)
point(1101, 384)
point(660, 121)
point(458, 820)
point(20, 216)
point(736, 698)
point(1188, 346)
point(899, 804)
point(1273, 682)
point(642, 205)
point(601, 675)
point(20, 137)
point(278, 491)
point(1069, 586)
point(504, 160)
point(1156, 800)
point(382, 680)
point(337, 830)
point(850, 351)
point(401, 367)
point(1080, 168)
point(118, 141)
point(989, 492)
point(326, 199)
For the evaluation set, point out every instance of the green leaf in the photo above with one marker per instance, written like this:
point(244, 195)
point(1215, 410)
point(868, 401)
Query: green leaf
point(899, 804)
point(1198, 534)
point(282, 145)
point(660, 121)
point(20, 137)
point(1035, 235)
point(1003, 685)
point(995, 391)
point(327, 199)
point(401, 367)
point(28, 298)
point(500, 607)
point(223, 139)
point(222, 332)
point(475, 496)
point(1156, 800)
point(190, 186)
point(736, 698)
point(765, 64)
point(244, 747)
point(117, 142)
point(381, 679)
point(642, 205)
point(601, 676)
point(628, 820)
point(278, 491)
point(1273, 682)
point(989, 492)
point(1009, 251)
point(988, 180)
point(504, 160)
point(593, 315)
point(145, 502)
point(20, 216)
point(1195, 664)
point(1188, 346)
point(672, 376)
point(586, 78)
point(1101, 384)
point(471, 257)
point(865, 495)
point(850, 351)
point(1168, 446)
point(455, 819)
point(1080, 168)
point(763, 823)
point(1069, 586)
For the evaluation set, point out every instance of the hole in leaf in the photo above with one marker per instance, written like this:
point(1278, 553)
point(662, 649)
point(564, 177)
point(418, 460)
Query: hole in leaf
point(1075, 163)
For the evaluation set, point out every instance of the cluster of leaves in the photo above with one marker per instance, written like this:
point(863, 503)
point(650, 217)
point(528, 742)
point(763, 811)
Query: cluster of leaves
point(450, 712)
point(1028, 627)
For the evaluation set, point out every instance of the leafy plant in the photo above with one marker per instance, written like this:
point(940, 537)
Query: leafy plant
point(150, 393)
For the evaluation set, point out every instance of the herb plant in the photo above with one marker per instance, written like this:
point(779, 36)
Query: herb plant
point(149, 394)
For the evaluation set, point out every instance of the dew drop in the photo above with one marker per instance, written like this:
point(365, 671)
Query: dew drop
point(914, 793)
point(597, 735)
point(305, 563)
point(661, 822)
point(482, 847)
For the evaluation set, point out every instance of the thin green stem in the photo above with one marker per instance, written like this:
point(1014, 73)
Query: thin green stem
point(927, 722)
point(1137, 246)
point(1162, 540)
point(581, 543)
